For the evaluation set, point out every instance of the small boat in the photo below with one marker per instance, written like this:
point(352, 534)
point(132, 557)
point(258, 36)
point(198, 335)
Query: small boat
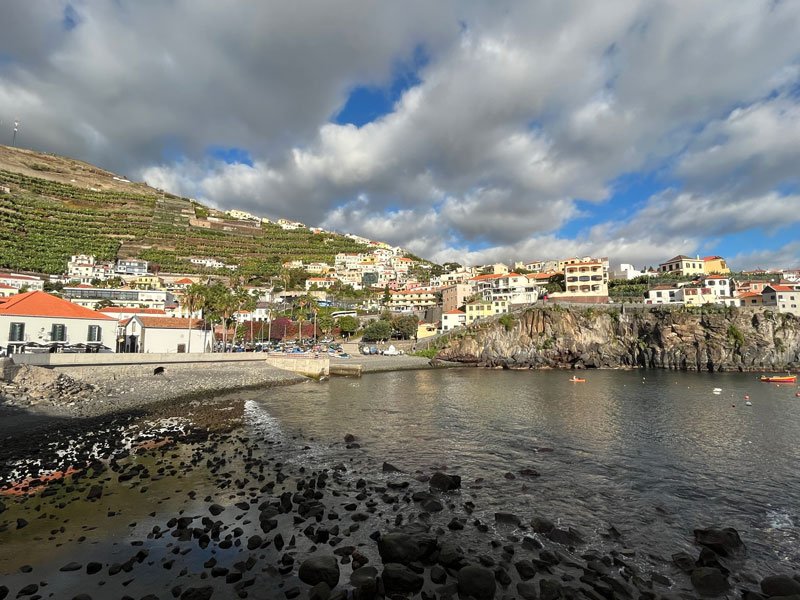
point(577, 380)
point(748, 403)
point(717, 390)
point(778, 378)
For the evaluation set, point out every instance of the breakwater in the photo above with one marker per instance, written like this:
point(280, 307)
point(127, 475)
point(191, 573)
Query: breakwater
point(722, 339)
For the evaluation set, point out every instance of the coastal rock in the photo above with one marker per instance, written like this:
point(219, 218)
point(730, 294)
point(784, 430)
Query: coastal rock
point(780, 585)
point(390, 468)
point(476, 582)
point(444, 483)
point(610, 337)
point(320, 568)
point(725, 542)
point(365, 581)
point(398, 548)
point(399, 578)
point(709, 581)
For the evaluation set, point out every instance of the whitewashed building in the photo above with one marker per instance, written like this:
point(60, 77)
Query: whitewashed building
point(151, 335)
point(40, 320)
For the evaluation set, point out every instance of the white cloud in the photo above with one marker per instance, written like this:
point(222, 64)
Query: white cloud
point(522, 109)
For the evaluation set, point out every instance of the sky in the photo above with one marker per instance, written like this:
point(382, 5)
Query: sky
point(463, 131)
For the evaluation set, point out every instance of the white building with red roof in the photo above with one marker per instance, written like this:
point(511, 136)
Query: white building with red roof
point(147, 334)
point(786, 298)
point(452, 319)
point(40, 320)
point(15, 280)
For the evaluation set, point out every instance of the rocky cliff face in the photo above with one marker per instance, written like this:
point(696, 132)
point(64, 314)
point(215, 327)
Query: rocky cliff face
point(556, 337)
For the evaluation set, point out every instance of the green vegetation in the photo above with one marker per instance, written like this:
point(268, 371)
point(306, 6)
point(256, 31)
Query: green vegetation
point(735, 335)
point(508, 321)
point(377, 331)
point(43, 223)
point(426, 353)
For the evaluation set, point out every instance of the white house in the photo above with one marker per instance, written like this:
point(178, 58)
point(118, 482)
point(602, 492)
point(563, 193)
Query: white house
point(664, 294)
point(452, 319)
point(784, 297)
point(37, 319)
point(720, 285)
point(90, 297)
point(18, 281)
point(84, 268)
point(131, 266)
point(165, 335)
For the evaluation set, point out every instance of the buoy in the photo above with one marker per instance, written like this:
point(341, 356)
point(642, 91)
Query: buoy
point(748, 403)
point(733, 406)
point(747, 396)
point(797, 394)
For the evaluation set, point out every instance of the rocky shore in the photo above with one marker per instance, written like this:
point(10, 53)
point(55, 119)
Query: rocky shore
point(212, 509)
point(722, 339)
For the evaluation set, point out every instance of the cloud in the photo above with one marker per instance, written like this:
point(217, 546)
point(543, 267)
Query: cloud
point(523, 115)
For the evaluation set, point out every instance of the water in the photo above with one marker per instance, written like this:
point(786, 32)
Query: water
point(654, 454)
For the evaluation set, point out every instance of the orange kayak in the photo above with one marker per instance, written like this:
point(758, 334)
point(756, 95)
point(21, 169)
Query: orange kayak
point(577, 380)
point(778, 378)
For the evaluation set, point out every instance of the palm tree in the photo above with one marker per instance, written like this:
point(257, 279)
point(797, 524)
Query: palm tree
point(244, 302)
point(194, 299)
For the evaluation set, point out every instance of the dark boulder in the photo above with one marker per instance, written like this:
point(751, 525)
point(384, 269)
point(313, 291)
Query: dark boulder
point(365, 581)
point(780, 585)
point(709, 581)
point(683, 561)
point(525, 569)
point(507, 518)
point(725, 542)
point(320, 568)
point(390, 468)
point(542, 525)
point(527, 590)
point(476, 582)
point(566, 537)
point(451, 555)
point(444, 483)
point(399, 578)
point(399, 548)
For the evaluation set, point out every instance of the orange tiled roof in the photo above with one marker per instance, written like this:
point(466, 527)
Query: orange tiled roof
point(138, 311)
point(184, 281)
point(455, 312)
point(781, 288)
point(41, 304)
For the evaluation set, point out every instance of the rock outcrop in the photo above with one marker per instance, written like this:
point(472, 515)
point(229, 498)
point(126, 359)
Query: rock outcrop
point(715, 339)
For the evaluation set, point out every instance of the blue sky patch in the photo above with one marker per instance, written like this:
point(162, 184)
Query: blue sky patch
point(71, 18)
point(368, 103)
point(231, 155)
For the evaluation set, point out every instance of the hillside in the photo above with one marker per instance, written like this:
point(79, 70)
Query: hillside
point(58, 207)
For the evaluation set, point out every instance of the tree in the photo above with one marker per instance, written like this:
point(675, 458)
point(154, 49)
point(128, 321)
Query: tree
point(324, 321)
point(387, 295)
point(377, 331)
point(348, 325)
point(194, 298)
point(555, 283)
point(406, 326)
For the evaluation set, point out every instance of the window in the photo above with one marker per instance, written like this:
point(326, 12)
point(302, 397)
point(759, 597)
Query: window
point(58, 333)
point(95, 333)
point(16, 332)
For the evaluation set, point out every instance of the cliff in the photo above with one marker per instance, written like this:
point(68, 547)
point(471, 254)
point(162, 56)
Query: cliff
point(722, 339)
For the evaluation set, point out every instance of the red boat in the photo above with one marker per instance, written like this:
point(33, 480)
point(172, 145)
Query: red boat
point(778, 378)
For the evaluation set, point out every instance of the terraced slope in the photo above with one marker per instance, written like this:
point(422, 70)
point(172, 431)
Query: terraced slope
point(58, 207)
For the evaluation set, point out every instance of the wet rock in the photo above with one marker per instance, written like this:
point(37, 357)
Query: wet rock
point(399, 547)
point(216, 509)
point(444, 483)
point(349, 438)
point(542, 525)
point(531, 543)
point(321, 591)
point(95, 492)
point(3, 592)
point(365, 581)
point(203, 593)
point(780, 585)
point(549, 589)
point(93, 567)
point(390, 468)
point(21, 523)
point(507, 518)
point(29, 590)
point(450, 555)
point(683, 561)
point(725, 542)
point(529, 473)
point(477, 582)
point(320, 568)
point(432, 505)
point(566, 537)
point(525, 569)
point(709, 581)
point(254, 542)
point(78, 597)
point(399, 578)
point(73, 566)
point(438, 574)
point(527, 590)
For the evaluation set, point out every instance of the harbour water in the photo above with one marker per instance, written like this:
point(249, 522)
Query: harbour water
point(649, 456)
point(653, 453)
